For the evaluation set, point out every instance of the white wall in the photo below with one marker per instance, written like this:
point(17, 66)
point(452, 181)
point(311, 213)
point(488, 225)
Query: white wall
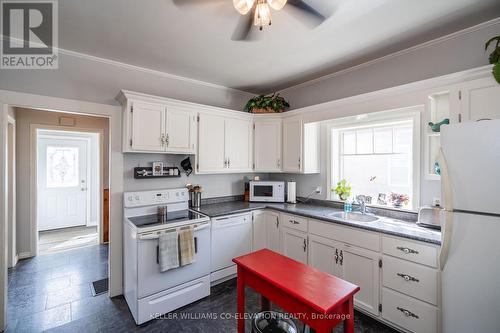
point(450, 54)
point(100, 81)
point(214, 185)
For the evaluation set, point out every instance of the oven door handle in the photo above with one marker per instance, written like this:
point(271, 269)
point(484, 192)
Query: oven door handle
point(156, 235)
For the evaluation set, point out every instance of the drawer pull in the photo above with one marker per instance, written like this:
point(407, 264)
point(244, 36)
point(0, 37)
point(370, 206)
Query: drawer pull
point(407, 250)
point(294, 222)
point(408, 277)
point(305, 245)
point(407, 313)
point(277, 222)
point(341, 257)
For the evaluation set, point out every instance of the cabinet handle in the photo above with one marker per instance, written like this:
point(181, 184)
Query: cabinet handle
point(167, 140)
point(278, 163)
point(277, 222)
point(228, 162)
point(407, 313)
point(299, 163)
point(162, 139)
point(305, 245)
point(407, 277)
point(341, 257)
point(225, 163)
point(336, 256)
point(407, 250)
point(294, 222)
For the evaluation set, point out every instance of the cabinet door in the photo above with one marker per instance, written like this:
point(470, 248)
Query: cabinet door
point(292, 144)
point(324, 255)
point(273, 233)
point(210, 143)
point(239, 144)
point(480, 100)
point(180, 131)
point(294, 244)
point(259, 230)
point(148, 126)
point(360, 267)
point(267, 140)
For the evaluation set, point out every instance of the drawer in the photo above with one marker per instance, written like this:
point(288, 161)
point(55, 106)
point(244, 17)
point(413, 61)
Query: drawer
point(294, 222)
point(364, 239)
point(409, 313)
point(410, 250)
point(409, 278)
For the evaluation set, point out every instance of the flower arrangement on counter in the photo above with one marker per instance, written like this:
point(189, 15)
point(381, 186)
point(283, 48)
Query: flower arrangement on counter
point(398, 200)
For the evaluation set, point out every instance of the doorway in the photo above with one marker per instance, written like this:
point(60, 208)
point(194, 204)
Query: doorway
point(68, 190)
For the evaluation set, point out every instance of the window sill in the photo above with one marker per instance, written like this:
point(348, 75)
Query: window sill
point(404, 210)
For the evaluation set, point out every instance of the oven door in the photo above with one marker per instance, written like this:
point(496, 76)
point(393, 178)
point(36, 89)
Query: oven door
point(149, 278)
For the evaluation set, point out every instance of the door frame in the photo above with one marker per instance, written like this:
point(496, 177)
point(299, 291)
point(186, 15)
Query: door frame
point(11, 208)
point(114, 114)
point(34, 178)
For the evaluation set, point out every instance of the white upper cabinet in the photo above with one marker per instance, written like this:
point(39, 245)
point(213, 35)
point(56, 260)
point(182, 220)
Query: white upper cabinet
point(267, 143)
point(300, 146)
point(480, 99)
point(147, 126)
point(181, 130)
point(224, 144)
point(211, 154)
point(238, 145)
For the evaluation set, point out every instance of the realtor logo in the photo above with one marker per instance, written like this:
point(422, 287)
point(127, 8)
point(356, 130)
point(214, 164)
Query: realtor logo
point(29, 34)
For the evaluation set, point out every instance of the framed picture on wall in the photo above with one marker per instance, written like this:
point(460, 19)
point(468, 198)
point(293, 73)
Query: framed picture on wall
point(157, 168)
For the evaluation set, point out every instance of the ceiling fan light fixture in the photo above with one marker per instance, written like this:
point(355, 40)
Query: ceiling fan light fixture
point(262, 14)
point(277, 4)
point(243, 6)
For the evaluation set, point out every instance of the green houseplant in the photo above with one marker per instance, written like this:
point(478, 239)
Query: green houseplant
point(343, 190)
point(267, 104)
point(494, 56)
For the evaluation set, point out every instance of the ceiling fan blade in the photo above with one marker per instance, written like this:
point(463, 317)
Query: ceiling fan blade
point(180, 3)
point(302, 5)
point(243, 28)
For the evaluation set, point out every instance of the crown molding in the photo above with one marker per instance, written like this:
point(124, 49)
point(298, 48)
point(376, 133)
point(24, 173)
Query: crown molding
point(414, 48)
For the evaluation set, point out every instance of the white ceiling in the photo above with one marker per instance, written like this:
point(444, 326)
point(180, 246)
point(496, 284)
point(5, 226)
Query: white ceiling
point(194, 40)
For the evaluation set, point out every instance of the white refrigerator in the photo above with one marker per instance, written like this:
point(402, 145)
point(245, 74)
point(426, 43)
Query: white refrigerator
point(470, 251)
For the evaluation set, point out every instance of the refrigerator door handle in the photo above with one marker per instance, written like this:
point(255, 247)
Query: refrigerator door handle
point(448, 204)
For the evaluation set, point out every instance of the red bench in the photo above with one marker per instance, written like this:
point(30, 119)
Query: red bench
point(320, 300)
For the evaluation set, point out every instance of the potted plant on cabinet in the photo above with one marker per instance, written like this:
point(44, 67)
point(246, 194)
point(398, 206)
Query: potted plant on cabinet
point(494, 56)
point(343, 190)
point(267, 104)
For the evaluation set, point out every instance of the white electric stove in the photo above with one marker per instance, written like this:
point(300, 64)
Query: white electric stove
point(149, 292)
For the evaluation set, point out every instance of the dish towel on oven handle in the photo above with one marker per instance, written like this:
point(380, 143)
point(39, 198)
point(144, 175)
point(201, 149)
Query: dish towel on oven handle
point(187, 245)
point(168, 256)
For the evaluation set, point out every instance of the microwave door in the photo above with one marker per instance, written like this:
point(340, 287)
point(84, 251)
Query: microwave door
point(263, 191)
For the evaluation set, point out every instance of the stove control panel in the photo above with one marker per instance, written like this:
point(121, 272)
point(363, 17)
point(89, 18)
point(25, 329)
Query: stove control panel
point(158, 197)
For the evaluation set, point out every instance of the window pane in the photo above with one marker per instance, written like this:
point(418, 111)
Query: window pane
point(349, 141)
point(383, 140)
point(62, 166)
point(364, 140)
point(402, 139)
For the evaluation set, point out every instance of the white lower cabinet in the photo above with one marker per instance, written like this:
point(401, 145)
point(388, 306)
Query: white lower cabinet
point(273, 231)
point(324, 255)
point(266, 230)
point(294, 244)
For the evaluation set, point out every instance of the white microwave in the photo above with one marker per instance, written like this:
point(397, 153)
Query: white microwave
point(267, 191)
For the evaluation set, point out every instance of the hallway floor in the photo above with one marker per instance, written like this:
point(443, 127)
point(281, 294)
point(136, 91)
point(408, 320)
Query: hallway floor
point(52, 293)
point(53, 241)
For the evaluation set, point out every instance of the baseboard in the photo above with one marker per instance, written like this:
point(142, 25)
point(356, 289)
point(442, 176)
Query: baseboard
point(24, 255)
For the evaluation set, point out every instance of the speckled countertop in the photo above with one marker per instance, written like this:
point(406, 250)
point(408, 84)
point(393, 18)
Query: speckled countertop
point(385, 225)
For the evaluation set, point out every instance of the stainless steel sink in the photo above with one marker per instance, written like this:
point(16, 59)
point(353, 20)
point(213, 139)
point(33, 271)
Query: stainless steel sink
point(355, 216)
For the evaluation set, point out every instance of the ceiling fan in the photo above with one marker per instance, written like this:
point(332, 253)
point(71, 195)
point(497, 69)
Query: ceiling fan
point(258, 13)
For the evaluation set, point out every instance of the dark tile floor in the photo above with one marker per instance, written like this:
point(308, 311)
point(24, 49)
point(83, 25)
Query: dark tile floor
point(52, 293)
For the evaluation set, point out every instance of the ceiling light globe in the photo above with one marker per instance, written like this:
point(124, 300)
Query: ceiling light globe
point(277, 4)
point(243, 6)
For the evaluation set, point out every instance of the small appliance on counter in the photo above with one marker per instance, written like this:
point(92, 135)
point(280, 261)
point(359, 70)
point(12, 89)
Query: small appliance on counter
point(291, 192)
point(431, 217)
point(267, 191)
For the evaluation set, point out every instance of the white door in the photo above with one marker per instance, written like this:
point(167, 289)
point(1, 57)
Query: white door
point(294, 244)
point(267, 139)
point(324, 255)
point(259, 231)
point(238, 143)
point(211, 155)
point(292, 144)
point(180, 131)
point(273, 231)
point(62, 183)
point(148, 126)
point(480, 100)
point(361, 267)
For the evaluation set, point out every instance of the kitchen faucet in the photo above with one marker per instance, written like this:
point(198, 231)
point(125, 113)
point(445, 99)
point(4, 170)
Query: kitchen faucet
point(361, 199)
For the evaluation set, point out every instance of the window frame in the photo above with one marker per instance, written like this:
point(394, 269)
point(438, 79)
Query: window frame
point(370, 120)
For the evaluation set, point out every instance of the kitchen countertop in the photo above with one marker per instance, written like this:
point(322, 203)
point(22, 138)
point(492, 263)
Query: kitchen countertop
point(385, 225)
